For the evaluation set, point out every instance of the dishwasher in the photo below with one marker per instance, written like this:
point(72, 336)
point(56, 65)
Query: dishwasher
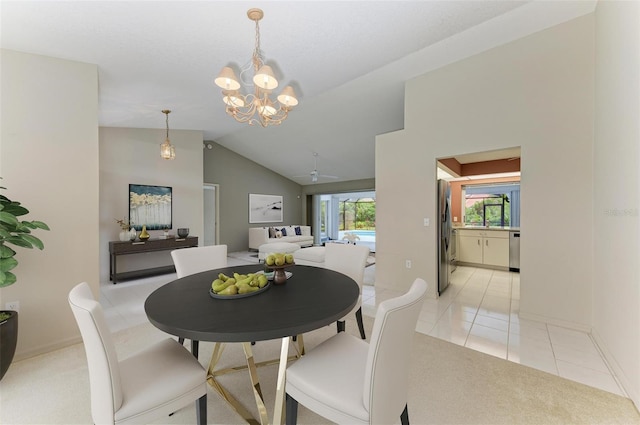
point(514, 251)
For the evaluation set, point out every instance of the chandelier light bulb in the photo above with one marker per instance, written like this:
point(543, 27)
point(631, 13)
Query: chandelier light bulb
point(227, 79)
point(265, 79)
point(232, 98)
point(288, 97)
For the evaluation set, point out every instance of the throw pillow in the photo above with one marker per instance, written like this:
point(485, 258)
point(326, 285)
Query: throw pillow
point(298, 231)
point(272, 232)
point(278, 234)
point(284, 231)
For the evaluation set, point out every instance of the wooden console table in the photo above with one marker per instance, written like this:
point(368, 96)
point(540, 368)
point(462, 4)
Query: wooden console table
point(117, 248)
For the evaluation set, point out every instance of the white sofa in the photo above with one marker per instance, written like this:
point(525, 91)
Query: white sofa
point(262, 235)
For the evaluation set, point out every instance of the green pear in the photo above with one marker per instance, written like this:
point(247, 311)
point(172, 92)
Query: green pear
point(229, 290)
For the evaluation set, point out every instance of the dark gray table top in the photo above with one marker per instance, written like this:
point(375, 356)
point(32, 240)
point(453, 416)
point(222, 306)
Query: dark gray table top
point(312, 297)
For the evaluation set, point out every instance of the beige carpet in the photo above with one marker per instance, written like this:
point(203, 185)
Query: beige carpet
point(449, 384)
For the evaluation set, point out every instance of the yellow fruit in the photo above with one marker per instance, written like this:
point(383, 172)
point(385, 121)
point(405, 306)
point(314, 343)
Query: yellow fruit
point(245, 289)
point(270, 260)
point(288, 258)
point(221, 286)
point(262, 281)
point(229, 290)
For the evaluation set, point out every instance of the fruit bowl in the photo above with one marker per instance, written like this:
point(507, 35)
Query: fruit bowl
point(236, 296)
point(279, 276)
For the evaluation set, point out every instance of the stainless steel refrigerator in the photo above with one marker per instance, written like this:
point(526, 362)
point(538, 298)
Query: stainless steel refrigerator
point(444, 234)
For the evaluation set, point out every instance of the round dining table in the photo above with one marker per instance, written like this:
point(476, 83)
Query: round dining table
point(311, 298)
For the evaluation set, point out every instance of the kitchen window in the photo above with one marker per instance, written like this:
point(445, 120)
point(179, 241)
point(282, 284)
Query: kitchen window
point(492, 205)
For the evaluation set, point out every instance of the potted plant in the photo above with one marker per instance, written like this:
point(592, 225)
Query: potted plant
point(13, 231)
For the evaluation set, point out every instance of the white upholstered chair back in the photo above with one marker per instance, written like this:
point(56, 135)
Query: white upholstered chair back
point(388, 361)
point(104, 370)
point(347, 259)
point(189, 261)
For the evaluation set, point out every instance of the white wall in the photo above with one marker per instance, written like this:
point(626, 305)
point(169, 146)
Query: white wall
point(132, 155)
point(49, 162)
point(616, 285)
point(537, 93)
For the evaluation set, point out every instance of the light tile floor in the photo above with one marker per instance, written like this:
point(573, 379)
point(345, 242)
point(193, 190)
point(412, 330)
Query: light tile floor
point(479, 310)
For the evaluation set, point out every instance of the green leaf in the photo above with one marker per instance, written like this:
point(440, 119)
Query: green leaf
point(3, 232)
point(8, 218)
point(16, 209)
point(33, 241)
point(40, 225)
point(18, 241)
point(6, 279)
point(6, 252)
point(7, 264)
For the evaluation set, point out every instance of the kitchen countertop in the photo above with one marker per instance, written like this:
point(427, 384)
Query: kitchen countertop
point(506, 228)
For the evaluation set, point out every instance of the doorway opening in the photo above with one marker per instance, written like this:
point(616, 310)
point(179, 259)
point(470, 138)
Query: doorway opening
point(346, 216)
point(210, 194)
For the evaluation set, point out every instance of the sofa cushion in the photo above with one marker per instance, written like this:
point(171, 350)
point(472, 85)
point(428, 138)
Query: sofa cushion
point(284, 231)
point(298, 231)
point(272, 232)
point(278, 234)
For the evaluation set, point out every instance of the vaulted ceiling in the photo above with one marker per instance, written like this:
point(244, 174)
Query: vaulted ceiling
point(347, 60)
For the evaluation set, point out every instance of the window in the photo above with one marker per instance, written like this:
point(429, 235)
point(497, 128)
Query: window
point(492, 205)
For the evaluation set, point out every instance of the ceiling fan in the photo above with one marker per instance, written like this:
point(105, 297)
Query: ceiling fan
point(314, 174)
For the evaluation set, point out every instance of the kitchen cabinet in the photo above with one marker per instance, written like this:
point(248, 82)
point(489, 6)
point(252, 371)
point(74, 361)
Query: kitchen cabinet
point(487, 247)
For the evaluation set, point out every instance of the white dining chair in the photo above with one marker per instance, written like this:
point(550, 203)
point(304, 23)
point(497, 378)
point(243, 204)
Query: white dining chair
point(349, 381)
point(144, 387)
point(189, 261)
point(350, 260)
point(194, 260)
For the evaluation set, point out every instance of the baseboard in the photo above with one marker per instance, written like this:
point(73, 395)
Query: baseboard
point(619, 375)
point(46, 348)
point(558, 322)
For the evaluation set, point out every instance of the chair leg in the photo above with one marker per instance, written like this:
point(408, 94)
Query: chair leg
point(201, 410)
point(404, 417)
point(180, 340)
point(340, 325)
point(292, 411)
point(360, 324)
point(194, 348)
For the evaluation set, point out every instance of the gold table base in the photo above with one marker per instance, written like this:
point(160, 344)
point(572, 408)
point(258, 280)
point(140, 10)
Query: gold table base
point(252, 367)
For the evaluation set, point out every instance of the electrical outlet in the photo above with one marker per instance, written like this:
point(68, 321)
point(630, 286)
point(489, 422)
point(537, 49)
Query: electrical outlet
point(407, 264)
point(426, 222)
point(12, 305)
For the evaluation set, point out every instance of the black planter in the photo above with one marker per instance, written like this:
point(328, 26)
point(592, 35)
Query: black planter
point(8, 341)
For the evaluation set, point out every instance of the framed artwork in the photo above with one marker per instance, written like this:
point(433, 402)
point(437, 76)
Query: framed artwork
point(265, 208)
point(150, 206)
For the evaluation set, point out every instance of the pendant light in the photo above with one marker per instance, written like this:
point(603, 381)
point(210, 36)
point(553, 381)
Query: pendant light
point(167, 151)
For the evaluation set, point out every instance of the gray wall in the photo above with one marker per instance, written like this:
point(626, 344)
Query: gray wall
point(238, 177)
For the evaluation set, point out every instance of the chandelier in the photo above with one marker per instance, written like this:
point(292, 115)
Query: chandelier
point(257, 107)
point(167, 151)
